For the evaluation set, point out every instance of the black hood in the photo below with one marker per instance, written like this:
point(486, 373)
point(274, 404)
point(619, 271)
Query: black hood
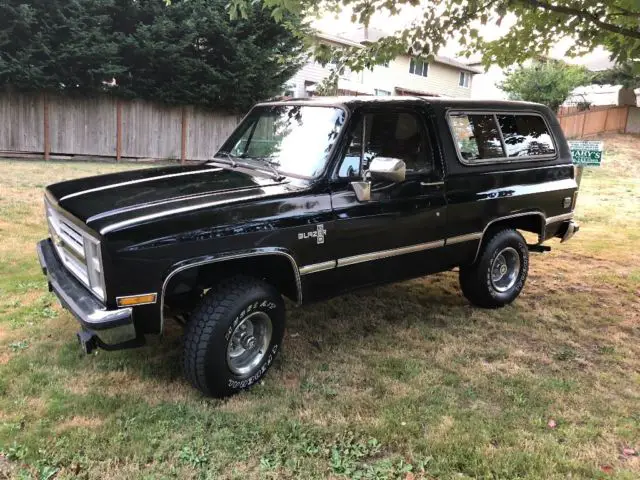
point(107, 199)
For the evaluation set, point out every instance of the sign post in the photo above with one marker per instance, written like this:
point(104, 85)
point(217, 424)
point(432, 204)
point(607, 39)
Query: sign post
point(585, 153)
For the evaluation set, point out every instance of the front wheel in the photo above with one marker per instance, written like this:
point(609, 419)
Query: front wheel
point(498, 275)
point(233, 336)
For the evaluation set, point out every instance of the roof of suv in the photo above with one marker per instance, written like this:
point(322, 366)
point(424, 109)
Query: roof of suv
point(446, 102)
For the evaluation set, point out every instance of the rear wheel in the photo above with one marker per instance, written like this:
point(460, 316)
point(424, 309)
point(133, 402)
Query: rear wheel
point(499, 273)
point(233, 336)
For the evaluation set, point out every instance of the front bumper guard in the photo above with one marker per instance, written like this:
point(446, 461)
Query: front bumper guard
point(111, 329)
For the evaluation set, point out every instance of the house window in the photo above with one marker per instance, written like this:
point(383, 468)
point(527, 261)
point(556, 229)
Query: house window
point(419, 67)
point(382, 93)
point(465, 79)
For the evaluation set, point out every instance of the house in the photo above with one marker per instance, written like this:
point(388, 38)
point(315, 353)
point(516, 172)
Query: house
point(486, 85)
point(404, 75)
point(598, 96)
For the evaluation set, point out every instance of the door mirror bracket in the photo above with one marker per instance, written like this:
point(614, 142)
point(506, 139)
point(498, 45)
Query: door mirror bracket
point(383, 168)
point(362, 190)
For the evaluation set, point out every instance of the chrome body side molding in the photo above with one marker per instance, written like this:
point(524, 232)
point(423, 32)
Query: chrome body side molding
point(318, 267)
point(372, 256)
point(464, 238)
point(228, 257)
point(367, 257)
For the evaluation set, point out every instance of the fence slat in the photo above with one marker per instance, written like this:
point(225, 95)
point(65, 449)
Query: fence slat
point(592, 122)
point(46, 127)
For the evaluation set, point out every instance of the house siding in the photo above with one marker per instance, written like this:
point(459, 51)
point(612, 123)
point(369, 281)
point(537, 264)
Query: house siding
point(442, 79)
point(310, 72)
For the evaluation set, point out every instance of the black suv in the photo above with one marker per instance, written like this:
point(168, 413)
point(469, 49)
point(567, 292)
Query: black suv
point(307, 199)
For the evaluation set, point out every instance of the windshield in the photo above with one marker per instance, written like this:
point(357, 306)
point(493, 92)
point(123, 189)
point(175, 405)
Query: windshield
point(295, 139)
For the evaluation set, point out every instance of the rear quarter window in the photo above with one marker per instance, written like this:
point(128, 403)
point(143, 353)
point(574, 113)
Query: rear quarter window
point(496, 137)
point(526, 136)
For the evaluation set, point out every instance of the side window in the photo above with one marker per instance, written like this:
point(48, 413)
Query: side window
point(399, 135)
point(477, 136)
point(350, 166)
point(525, 135)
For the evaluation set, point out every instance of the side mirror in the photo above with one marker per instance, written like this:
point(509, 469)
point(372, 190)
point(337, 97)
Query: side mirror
point(386, 168)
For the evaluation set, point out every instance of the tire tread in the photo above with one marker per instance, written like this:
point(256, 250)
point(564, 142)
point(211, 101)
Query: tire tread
point(207, 319)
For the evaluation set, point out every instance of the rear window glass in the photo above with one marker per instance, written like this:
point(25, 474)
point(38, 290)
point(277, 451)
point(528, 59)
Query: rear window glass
point(525, 135)
point(477, 136)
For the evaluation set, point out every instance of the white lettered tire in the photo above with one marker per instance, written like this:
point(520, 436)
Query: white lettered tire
point(233, 336)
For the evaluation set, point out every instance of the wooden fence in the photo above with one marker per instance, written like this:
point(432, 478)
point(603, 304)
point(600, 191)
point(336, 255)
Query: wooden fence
point(107, 127)
point(592, 122)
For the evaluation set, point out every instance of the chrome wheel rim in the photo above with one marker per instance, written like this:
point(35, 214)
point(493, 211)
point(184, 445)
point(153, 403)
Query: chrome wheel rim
point(505, 269)
point(248, 343)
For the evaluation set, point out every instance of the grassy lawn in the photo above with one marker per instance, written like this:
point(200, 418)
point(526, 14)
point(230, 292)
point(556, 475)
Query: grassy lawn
point(403, 381)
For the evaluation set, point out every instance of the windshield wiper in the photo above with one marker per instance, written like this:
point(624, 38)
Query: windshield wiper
point(230, 160)
point(234, 163)
point(270, 165)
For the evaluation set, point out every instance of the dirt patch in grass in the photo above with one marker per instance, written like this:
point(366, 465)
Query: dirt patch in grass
point(80, 422)
point(153, 391)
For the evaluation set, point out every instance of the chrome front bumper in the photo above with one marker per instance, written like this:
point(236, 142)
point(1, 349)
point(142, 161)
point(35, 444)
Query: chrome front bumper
point(112, 329)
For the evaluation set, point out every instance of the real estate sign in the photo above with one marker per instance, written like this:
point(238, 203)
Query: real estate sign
point(586, 153)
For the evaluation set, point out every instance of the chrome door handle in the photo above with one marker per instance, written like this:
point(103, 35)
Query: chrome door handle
point(430, 184)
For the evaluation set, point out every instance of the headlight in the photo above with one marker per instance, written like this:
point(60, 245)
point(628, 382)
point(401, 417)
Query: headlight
point(94, 266)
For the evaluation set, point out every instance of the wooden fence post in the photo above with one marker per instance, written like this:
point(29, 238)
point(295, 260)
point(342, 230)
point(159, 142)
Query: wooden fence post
point(626, 119)
point(584, 120)
point(47, 141)
point(118, 130)
point(183, 140)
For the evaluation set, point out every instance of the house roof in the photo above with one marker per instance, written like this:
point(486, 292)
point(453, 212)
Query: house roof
point(359, 36)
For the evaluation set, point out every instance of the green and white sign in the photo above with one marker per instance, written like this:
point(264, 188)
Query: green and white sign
point(586, 153)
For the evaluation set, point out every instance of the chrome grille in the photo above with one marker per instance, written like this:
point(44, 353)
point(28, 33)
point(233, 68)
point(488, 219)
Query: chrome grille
point(69, 243)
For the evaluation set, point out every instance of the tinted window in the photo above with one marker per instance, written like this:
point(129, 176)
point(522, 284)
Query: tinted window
point(396, 135)
point(477, 136)
point(525, 135)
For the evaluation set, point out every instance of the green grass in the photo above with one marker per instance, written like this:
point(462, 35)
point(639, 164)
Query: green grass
point(401, 381)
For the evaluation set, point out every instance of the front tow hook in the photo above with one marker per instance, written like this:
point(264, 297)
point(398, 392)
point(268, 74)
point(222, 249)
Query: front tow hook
point(87, 341)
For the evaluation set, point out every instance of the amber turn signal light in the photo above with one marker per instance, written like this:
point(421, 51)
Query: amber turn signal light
point(132, 300)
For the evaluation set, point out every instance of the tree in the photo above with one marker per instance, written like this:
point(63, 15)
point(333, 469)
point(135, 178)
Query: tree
point(537, 26)
point(626, 74)
point(57, 45)
point(548, 82)
point(188, 52)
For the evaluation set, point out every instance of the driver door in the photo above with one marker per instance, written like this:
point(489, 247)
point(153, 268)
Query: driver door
point(399, 233)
